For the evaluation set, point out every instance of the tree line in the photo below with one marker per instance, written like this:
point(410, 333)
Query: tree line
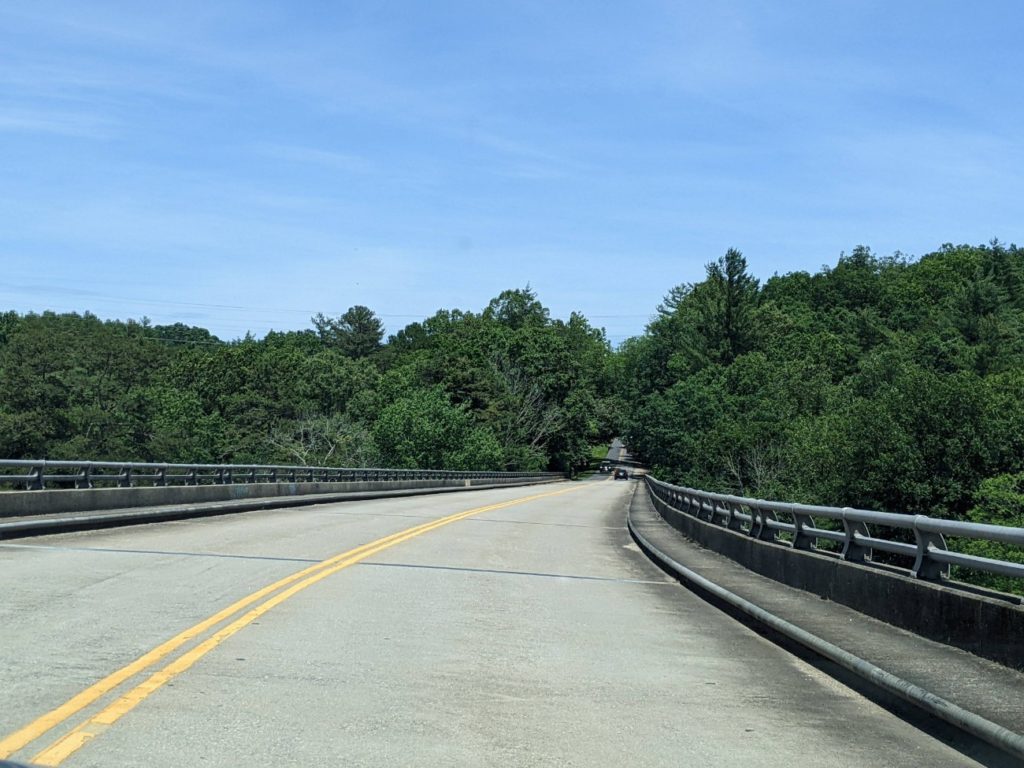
point(505, 388)
point(881, 382)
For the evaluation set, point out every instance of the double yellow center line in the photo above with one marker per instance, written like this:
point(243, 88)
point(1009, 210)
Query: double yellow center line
point(275, 593)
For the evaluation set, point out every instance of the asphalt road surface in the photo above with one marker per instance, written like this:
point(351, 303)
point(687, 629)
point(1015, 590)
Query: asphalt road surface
point(617, 451)
point(529, 631)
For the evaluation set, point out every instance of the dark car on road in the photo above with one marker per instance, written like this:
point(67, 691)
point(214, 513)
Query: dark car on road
point(621, 474)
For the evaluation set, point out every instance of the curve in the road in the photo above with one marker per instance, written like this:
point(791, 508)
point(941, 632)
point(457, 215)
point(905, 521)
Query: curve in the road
point(285, 588)
point(533, 634)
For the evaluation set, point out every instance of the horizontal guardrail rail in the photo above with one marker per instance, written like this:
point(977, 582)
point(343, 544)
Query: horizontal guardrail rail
point(32, 474)
point(767, 520)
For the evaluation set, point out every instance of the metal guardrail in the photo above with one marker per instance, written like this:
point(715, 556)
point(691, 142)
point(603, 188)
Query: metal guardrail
point(760, 519)
point(39, 474)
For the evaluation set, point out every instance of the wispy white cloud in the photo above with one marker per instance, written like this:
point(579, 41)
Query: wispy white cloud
point(346, 155)
point(76, 124)
point(330, 159)
point(526, 159)
point(75, 79)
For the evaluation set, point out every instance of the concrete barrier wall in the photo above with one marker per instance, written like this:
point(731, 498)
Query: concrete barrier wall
point(954, 615)
point(49, 502)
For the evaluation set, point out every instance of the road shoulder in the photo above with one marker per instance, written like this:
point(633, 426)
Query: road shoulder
point(977, 685)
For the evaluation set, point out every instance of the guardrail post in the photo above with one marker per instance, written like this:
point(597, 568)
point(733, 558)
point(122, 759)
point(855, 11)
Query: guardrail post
point(722, 510)
point(924, 566)
point(801, 524)
point(252, 474)
point(35, 480)
point(713, 511)
point(755, 520)
point(702, 508)
point(687, 502)
point(762, 530)
point(124, 479)
point(697, 507)
point(853, 551)
point(658, 497)
point(707, 507)
point(84, 480)
point(733, 523)
point(160, 477)
point(191, 477)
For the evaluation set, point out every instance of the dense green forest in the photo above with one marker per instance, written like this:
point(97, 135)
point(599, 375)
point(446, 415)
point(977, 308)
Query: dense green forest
point(879, 383)
point(882, 383)
point(504, 388)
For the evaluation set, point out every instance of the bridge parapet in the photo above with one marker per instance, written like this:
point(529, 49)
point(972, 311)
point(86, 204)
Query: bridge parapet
point(938, 679)
point(74, 487)
point(39, 474)
point(778, 540)
point(798, 529)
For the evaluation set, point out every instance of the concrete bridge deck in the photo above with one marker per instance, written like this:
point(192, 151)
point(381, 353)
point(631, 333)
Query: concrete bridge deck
point(514, 626)
point(979, 685)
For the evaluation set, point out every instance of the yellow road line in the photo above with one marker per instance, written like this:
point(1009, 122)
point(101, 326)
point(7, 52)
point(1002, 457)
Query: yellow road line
point(38, 727)
point(67, 745)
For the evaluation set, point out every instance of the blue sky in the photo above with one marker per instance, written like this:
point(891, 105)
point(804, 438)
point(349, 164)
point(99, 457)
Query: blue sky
point(241, 166)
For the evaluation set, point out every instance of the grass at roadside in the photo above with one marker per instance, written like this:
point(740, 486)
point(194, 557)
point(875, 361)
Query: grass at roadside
point(598, 453)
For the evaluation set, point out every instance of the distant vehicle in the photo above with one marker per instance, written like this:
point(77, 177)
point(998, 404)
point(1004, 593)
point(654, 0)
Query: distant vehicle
point(605, 468)
point(621, 474)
